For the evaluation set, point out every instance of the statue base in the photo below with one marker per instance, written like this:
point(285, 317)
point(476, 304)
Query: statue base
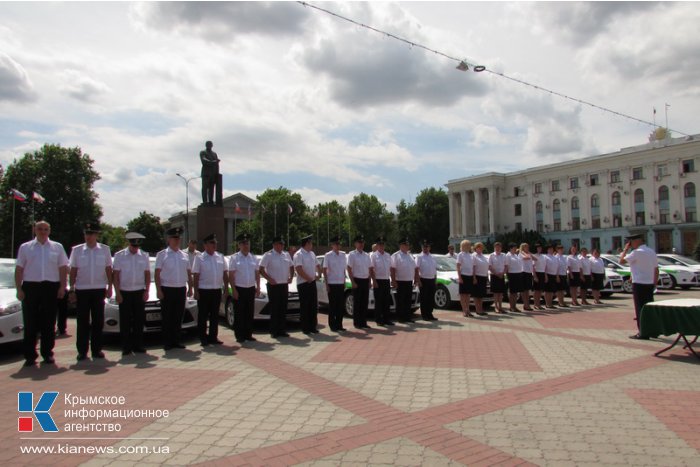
point(210, 220)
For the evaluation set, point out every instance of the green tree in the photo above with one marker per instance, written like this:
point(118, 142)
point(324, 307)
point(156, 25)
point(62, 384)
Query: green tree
point(369, 217)
point(113, 237)
point(149, 226)
point(427, 218)
point(523, 236)
point(65, 178)
point(330, 219)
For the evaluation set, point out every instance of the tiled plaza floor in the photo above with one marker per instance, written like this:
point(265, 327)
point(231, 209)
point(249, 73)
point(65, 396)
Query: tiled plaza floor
point(561, 388)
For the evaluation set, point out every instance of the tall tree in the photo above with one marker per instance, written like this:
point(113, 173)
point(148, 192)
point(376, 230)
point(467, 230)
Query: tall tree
point(369, 217)
point(149, 226)
point(64, 177)
point(427, 218)
point(330, 219)
point(113, 237)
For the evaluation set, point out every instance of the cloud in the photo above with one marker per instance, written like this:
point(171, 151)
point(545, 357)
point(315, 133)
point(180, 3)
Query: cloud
point(82, 87)
point(222, 21)
point(14, 81)
point(486, 135)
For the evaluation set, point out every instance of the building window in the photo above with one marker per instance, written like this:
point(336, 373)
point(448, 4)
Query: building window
point(616, 210)
point(593, 180)
point(637, 173)
point(664, 205)
point(661, 170)
point(518, 226)
point(688, 166)
point(518, 209)
point(689, 202)
point(575, 214)
point(615, 176)
point(595, 212)
point(639, 215)
point(574, 203)
point(556, 215)
point(595, 243)
point(518, 191)
point(539, 216)
point(573, 183)
point(616, 244)
point(538, 188)
point(638, 196)
point(538, 207)
point(555, 185)
point(540, 226)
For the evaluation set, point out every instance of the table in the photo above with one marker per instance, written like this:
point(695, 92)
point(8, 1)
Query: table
point(668, 317)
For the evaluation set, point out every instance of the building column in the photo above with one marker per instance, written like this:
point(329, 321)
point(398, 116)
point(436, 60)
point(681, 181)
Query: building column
point(492, 210)
point(451, 201)
point(465, 212)
point(477, 211)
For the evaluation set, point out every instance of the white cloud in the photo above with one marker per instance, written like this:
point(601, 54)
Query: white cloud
point(82, 87)
point(15, 84)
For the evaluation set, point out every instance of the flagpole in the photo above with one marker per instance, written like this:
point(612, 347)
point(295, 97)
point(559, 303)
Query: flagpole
point(12, 243)
point(275, 229)
point(666, 107)
point(328, 228)
point(262, 229)
point(287, 224)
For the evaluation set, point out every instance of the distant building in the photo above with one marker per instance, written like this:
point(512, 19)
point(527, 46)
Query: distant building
point(232, 216)
point(594, 202)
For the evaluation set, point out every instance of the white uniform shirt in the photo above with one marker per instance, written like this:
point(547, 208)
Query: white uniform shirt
point(573, 263)
point(335, 264)
point(405, 266)
point(453, 255)
point(466, 264)
point(210, 269)
point(552, 267)
point(191, 255)
point(515, 265)
point(427, 266)
point(527, 263)
point(541, 263)
point(245, 267)
point(643, 262)
point(585, 265)
point(481, 265)
point(563, 265)
point(277, 265)
point(91, 264)
point(381, 263)
point(307, 261)
point(497, 263)
point(173, 267)
point(359, 262)
point(41, 262)
point(597, 265)
point(131, 267)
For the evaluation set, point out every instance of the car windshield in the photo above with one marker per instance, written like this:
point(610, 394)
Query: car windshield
point(666, 262)
point(684, 260)
point(152, 262)
point(446, 264)
point(609, 261)
point(7, 275)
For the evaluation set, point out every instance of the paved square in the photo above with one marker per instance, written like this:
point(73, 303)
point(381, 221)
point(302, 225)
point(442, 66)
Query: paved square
point(563, 388)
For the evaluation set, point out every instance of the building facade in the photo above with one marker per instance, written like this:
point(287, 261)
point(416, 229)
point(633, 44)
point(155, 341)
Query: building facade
point(593, 202)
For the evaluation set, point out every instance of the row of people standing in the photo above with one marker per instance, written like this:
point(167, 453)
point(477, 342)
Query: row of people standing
point(520, 272)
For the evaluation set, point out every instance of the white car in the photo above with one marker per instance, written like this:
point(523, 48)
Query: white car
point(154, 317)
point(611, 262)
point(11, 322)
point(447, 284)
point(262, 311)
point(612, 283)
point(682, 276)
point(681, 260)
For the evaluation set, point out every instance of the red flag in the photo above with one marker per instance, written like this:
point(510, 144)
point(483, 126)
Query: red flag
point(19, 196)
point(289, 208)
point(37, 197)
point(238, 208)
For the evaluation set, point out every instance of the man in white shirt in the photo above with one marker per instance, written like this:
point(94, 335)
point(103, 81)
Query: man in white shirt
point(451, 252)
point(334, 264)
point(244, 277)
point(427, 273)
point(91, 283)
point(380, 271)
point(308, 272)
point(192, 251)
point(210, 276)
point(403, 276)
point(277, 268)
point(40, 279)
point(644, 266)
point(131, 276)
point(358, 271)
point(173, 284)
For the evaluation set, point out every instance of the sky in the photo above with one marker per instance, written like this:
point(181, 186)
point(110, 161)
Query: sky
point(294, 97)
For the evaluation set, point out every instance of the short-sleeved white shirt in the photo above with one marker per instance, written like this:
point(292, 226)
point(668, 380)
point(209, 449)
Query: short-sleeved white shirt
point(173, 265)
point(573, 263)
point(643, 262)
point(381, 263)
point(497, 263)
point(335, 264)
point(210, 269)
point(481, 264)
point(359, 262)
point(427, 266)
point(465, 261)
point(585, 265)
point(541, 263)
point(597, 265)
point(404, 265)
point(91, 264)
point(132, 268)
point(277, 265)
point(562, 265)
point(40, 262)
point(245, 267)
point(307, 261)
point(515, 264)
point(527, 263)
point(552, 267)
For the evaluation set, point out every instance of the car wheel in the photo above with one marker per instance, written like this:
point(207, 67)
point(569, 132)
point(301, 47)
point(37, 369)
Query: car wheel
point(685, 287)
point(674, 282)
point(349, 304)
point(627, 286)
point(442, 298)
point(229, 313)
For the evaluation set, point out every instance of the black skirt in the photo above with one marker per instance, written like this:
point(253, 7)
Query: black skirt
point(515, 282)
point(479, 289)
point(562, 283)
point(574, 280)
point(527, 281)
point(467, 286)
point(598, 281)
point(539, 284)
point(498, 284)
point(587, 282)
point(552, 284)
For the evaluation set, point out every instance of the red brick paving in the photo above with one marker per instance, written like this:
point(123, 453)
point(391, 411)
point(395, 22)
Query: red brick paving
point(436, 349)
point(585, 320)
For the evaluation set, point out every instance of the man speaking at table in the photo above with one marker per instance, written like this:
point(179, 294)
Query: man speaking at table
point(645, 272)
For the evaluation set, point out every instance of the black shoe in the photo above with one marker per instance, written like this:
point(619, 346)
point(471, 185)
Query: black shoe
point(98, 355)
point(204, 344)
point(29, 362)
point(366, 326)
point(306, 332)
point(389, 323)
point(167, 347)
point(281, 334)
point(139, 350)
point(49, 360)
point(315, 331)
point(81, 357)
point(216, 342)
point(341, 330)
point(252, 339)
point(126, 353)
point(637, 336)
point(240, 341)
point(432, 318)
point(180, 346)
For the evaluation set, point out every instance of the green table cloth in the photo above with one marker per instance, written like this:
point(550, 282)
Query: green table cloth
point(669, 317)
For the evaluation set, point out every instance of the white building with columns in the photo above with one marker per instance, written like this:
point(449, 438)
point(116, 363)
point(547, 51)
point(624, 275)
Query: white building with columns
point(594, 201)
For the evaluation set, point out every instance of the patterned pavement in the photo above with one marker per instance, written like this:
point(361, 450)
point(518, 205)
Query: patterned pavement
point(560, 388)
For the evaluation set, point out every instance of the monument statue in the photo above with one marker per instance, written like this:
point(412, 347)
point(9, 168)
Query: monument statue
point(210, 175)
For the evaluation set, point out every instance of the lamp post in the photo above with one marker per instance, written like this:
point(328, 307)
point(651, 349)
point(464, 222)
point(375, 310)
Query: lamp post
point(187, 203)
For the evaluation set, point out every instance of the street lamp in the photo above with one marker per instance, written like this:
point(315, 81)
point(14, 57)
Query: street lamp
point(187, 203)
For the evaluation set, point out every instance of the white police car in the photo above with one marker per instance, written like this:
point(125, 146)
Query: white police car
point(11, 323)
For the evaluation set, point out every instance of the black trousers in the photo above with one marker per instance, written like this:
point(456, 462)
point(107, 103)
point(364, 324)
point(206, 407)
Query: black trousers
point(62, 320)
point(132, 314)
point(208, 313)
point(308, 301)
point(278, 295)
point(243, 313)
point(172, 310)
point(91, 320)
point(360, 302)
point(404, 292)
point(39, 317)
point(382, 301)
point(641, 294)
point(427, 298)
point(336, 306)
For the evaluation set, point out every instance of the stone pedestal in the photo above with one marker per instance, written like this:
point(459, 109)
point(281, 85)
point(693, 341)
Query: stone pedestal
point(210, 219)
